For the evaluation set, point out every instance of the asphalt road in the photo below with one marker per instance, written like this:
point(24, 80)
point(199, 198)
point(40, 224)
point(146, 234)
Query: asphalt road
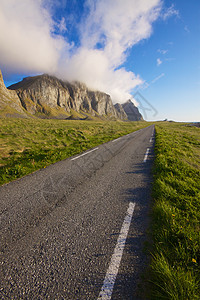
point(60, 225)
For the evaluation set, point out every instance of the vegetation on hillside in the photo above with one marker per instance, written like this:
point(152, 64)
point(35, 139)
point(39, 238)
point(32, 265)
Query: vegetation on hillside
point(175, 250)
point(31, 144)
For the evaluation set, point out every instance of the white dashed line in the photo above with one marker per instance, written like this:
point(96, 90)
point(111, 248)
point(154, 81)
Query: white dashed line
point(146, 155)
point(84, 154)
point(116, 140)
point(109, 281)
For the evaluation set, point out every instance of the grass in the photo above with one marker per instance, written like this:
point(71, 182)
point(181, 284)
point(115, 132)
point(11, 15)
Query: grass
point(31, 144)
point(174, 271)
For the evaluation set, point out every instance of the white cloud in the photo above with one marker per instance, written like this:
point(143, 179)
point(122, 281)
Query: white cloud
point(170, 12)
point(119, 25)
point(28, 42)
point(158, 61)
point(116, 26)
point(62, 25)
point(162, 51)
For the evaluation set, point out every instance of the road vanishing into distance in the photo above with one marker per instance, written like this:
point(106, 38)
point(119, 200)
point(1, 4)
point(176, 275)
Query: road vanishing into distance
point(75, 230)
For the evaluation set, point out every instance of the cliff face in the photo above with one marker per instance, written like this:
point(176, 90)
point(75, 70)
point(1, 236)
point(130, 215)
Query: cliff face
point(132, 111)
point(9, 101)
point(48, 97)
point(43, 94)
point(120, 112)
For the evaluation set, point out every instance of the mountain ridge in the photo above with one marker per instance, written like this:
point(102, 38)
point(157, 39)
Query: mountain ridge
point(46, 96)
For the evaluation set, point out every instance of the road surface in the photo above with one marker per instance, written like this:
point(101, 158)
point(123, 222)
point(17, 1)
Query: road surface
point(76, 229)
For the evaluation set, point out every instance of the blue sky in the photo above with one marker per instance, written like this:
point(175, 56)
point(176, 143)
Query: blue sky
point(144, 48)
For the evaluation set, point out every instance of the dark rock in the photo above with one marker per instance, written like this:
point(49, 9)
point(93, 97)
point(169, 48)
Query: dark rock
point(120, 112)
point(132, 111)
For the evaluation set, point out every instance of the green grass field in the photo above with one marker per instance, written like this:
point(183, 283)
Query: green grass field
point(27, 145)
point(175, 250)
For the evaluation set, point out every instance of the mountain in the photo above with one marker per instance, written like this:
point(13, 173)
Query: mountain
point(120, 111)
point(46, 96)
point(132, 111)
point(10, 104)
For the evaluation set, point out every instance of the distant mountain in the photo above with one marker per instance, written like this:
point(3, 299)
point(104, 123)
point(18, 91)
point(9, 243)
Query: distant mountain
point(132, 111)
point(46, 96)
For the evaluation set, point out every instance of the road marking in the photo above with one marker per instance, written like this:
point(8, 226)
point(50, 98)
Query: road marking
point(109, 281)
point(146, 155)
point(84, 153)
point(117, 139)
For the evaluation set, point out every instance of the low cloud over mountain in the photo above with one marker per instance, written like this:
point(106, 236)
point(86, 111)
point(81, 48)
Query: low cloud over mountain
point(33, 39)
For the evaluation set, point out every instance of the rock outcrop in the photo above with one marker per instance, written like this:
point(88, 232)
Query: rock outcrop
point(120, 112)
point(10, 104)
point(46, 96)
point(43, 96)
point(132, 111)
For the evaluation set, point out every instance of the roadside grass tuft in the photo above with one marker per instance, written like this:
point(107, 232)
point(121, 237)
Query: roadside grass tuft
point(174, 271)
point(169, 282)
point(31, 144)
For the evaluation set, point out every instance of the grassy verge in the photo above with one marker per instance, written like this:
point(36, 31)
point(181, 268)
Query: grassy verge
point(27, 145)
point(174, 272)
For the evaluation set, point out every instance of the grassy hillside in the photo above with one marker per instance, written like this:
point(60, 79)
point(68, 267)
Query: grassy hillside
point(27, 145)
point(175, 249)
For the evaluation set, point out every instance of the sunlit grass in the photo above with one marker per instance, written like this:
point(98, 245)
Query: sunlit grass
point(30, 144)
point(176, 213)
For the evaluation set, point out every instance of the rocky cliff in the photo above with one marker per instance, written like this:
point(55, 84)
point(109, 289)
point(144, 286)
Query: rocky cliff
point(10, 103)
point(132, 111)
point(49, 97)
point(120, 112)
